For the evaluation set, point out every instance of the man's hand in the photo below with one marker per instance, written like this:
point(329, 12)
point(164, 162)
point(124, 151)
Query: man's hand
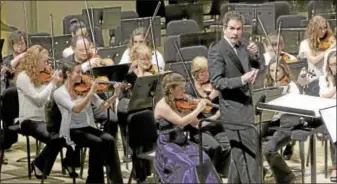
point(252, 47)
point(249, 77)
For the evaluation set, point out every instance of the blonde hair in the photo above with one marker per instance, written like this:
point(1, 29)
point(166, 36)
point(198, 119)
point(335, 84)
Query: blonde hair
point(273, 37)
point(137, 32)
point(171, 81)
point(30, 63)
point(269, 81)
point(328, 72)
point(198, 63)
point(313, 29)
point(141, 50)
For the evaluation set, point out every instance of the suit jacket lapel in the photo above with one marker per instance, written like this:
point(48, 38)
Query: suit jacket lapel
point(232, 55)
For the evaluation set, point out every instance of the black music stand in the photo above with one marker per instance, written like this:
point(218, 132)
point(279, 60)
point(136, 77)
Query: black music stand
point(192, 39)
point(146, 92)
point(1, 46)
point(115, 53)
point(193, 11)
point(60, 43)
point(129, 25)
point(179, 68)
point(266, 13)
point(111, 17)
point(114, 73)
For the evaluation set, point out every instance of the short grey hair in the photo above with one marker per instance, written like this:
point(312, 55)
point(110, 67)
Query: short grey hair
point(233, 15)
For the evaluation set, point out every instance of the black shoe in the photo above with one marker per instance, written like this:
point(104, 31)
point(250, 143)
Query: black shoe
point(72, 173)
point(32, 166)
point(288, 152)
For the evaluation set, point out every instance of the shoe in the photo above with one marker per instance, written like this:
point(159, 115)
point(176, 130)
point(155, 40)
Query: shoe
point(72, 173)
point(32, 166)
point(288, 152)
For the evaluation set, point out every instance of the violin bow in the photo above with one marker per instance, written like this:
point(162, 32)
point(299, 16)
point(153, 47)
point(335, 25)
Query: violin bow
point(90, 22)
point(152, 18)
point(52, 40)
point(278, 50)
point(185, 67)
point(26, 23)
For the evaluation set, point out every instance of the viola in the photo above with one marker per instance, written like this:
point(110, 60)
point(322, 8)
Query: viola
point(45, 74)
point(287, 58)
point(284, 81)
point(207, 87)
point(103, 61)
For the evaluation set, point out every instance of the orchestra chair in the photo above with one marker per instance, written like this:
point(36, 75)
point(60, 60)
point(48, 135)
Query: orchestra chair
point(141, 131)
point(189, 53)
point(169, 48)
point(176, 27)
point(10, 102)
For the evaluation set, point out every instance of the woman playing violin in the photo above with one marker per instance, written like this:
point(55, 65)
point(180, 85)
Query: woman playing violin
point(215, 142)
point(177, 159)
point(269, 54)
point(319, 40)
point(78, 124)
point(33, 95)
point(141, 60)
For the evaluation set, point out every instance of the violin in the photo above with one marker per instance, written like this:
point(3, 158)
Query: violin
point(45, 74)
point(207, 87)
point(326, 42)
point(287, 58)
point(103, 84)
point(284, 81)
point(188, 105)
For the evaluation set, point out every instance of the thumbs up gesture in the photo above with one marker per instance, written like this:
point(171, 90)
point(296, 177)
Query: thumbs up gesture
point(252, 47)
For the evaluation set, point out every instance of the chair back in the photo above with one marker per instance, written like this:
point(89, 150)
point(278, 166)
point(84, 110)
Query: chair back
point(68, 18)
point(142, 129)
point(169, 48)
point(177, 27)
point(53, 117)
point(129, 14)
point(189, 53)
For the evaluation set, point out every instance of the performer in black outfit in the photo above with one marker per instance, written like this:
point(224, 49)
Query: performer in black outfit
point(233, 68)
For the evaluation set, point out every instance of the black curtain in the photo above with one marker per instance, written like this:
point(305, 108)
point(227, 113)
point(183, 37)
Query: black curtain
point(145, 8)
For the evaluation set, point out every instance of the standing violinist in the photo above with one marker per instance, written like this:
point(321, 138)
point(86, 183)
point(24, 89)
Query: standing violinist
point(78, 124)
point(277, 46)
point(82, 55)
point(33, 95)
point(141, 58)
point(231, 73)
point(215, 142)
point(319, 39)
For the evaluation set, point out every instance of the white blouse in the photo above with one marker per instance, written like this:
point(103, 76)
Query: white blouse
point(316, 68)
point(32, 99)
point(126, 59)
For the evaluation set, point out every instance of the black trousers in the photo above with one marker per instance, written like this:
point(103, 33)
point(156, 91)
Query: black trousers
point(102, 149)
point(281, 171)
point(38, 129)
point(243, 167)
point(216, 145)
point(110, 124)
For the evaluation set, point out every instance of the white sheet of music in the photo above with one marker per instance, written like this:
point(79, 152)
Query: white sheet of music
point(303, 102)
point(329, 118)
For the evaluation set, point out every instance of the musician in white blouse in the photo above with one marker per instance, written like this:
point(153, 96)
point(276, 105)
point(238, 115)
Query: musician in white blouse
point(33, 95)
point(138, 37)
point(327, 89)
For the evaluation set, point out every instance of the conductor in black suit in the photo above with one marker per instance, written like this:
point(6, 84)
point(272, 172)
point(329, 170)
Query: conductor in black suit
point(233, 66)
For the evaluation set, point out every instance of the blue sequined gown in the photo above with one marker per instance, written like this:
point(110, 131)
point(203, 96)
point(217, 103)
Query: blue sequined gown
point(177, 159)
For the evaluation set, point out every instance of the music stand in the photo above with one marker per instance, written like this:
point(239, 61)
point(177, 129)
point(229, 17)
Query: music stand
point(60, 43)
point(329, 118)
point(114, 73)
point(145, 91)
point(129, 25)
point(180, 69)
point(111, 17)
point(266, 13)
point(43, 41)
point(1, 46)
point(192, 39)
point(302, 106)
point(296, 67)
point(115, 53)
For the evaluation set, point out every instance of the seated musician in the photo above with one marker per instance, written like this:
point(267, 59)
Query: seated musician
point(215, 141)
point(83, 56)
point(327, 86)
point(177, 159)
point(282, 173)
point(17, 43)
point(138, 37)
point(141, 59)
point(319, 39)
point(269, 54)
point(78, 124)
point(75, 30)
point(33, 95)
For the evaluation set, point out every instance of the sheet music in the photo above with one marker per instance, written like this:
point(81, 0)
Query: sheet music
point(303, 102)
point(329, 118)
